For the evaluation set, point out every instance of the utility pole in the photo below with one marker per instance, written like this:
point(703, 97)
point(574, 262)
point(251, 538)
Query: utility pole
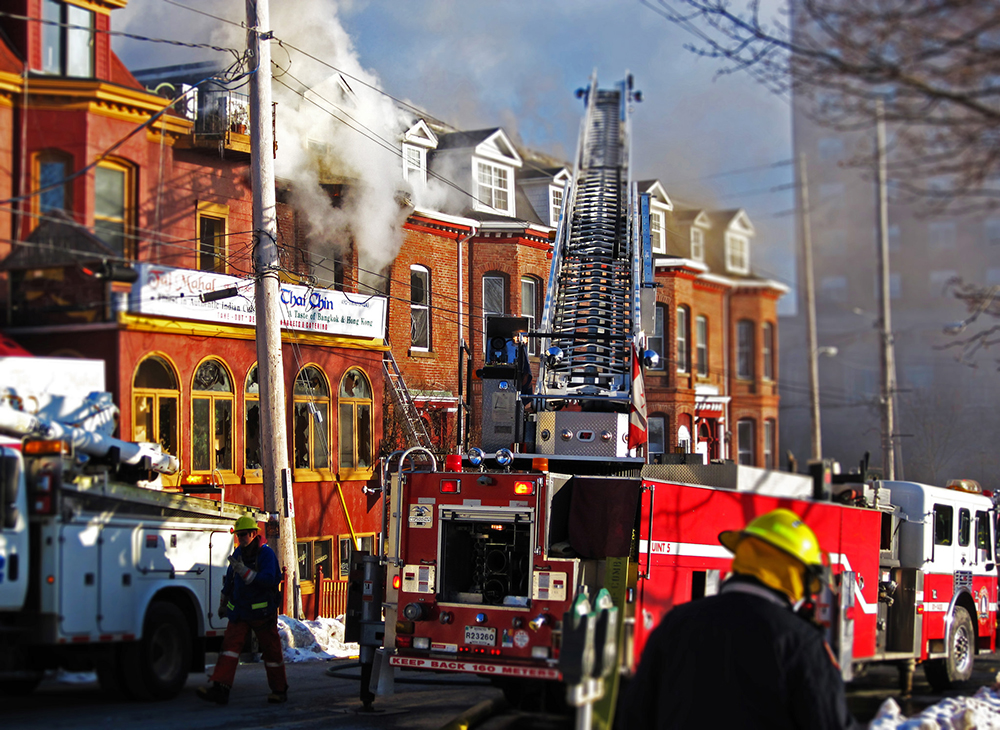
point(270, 372)
point(809, 284)
point(887, 359)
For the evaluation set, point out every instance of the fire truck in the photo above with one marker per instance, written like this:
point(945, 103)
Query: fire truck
point(544, 557)
point(100, 568)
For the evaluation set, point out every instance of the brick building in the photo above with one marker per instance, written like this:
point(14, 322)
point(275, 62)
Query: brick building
point(102, 187)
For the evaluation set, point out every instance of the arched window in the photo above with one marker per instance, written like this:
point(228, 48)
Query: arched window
point(212, 418)
point(355, 401)
point(311, 419)
point(251, 421)
point(114, 206)
point(655, 341)
point(155, 398)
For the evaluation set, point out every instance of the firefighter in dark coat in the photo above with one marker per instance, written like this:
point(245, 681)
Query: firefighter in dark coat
point(250, 600)
point(744, 658)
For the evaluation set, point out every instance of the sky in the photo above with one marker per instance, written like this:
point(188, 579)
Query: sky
point(517, 64)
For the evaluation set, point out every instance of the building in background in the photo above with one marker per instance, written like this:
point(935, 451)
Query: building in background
point(118, 218)
point(942, 404)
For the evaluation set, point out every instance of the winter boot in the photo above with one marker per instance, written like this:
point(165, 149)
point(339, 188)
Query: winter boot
point(215, 692)
point(276, 698)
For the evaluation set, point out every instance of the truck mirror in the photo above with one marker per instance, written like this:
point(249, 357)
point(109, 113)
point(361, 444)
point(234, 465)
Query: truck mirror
point(576, 658)
point(605, 634)
point(9, 491)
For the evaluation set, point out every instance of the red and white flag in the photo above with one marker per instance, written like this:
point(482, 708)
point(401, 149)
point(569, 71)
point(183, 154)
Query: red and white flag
point(637, 434)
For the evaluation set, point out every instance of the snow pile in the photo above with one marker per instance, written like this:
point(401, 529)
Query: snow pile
point(981, 711)
point(308, 641)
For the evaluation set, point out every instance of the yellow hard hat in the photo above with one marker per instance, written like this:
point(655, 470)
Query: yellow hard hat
point(783, 529)
point(246, 522)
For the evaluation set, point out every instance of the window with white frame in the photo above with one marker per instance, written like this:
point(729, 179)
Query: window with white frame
point(833, 288)
point(494, 298)
point(529, 307)
point(745, 442)
point(830, 148)
point(939, 282)
point(657, 232)
point(683, 339)
point(657, 436)
point(493, 186)
point(701, 344)
point(767, 349)
point(414, 164)
point(67, 40)
point(991, 229)
point(697, 244)
point(744, 349)
point(941, 235)
point(737, 253)
point(555, 205)
point(420, 306)
point(655, 340)
point(769, 433)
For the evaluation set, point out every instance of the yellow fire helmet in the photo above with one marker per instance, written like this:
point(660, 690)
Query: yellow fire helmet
point(783, 529)
point(246, 522)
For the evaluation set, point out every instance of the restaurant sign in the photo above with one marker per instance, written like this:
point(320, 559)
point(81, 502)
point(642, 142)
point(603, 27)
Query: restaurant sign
point(163, 291)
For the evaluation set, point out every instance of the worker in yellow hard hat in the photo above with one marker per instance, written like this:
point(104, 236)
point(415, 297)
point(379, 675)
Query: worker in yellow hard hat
point(744, 657)
point(250, 601)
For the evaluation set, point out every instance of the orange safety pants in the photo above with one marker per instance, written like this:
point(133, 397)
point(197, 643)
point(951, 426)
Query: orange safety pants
point(270, 646)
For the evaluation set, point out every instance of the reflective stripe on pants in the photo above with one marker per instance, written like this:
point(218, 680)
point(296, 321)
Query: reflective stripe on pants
point(270, 646)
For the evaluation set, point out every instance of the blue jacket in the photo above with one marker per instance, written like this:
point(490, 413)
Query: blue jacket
point(259, 599)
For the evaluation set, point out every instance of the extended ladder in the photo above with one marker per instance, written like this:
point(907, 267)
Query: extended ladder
point(590, 309)
point(416, 429)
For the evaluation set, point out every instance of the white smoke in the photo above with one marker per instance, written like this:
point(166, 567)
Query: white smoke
point(333, 126)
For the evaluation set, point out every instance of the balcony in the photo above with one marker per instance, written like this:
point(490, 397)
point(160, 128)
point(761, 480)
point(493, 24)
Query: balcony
point(221, 123)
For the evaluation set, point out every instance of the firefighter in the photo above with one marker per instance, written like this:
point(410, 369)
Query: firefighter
point(744, 657)
point(250, 600)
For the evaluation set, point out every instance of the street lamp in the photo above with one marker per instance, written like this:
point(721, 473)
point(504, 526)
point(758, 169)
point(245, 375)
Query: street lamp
point(817, 441)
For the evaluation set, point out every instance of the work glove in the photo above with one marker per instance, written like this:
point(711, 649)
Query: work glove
point(223, 605)
point(239, 567)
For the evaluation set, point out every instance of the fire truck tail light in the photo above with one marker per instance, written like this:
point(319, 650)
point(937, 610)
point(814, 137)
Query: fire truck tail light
point(451, 486)
point(920, 608)
point(404, 641)
point(524, 487)
point(539, 652)
point(422, 642)
point(453, 462)
point(397, 581)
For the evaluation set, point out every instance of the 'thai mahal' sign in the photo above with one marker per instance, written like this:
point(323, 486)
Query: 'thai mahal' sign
point(164, 291)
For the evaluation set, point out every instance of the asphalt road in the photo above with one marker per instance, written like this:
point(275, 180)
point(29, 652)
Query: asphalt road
point(421, 701)
point(315, 700)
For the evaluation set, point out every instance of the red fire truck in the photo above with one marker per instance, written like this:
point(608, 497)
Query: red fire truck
point(497, 564)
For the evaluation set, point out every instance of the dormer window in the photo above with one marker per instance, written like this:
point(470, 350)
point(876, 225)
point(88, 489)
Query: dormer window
point(414, 164)
point(657, 232)
point(67, 51)
point(737, 253)
point(493, 187)
point(697, 244)
point(556, 204)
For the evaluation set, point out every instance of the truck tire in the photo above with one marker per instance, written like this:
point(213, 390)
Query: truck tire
point(956, 667)
point(156, 666)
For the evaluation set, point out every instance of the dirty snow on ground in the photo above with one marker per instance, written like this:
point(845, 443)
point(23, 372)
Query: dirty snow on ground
point(979, 712)
point(307, 641)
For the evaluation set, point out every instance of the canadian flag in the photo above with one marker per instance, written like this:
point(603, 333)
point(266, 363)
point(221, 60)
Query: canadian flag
point(637, 410)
